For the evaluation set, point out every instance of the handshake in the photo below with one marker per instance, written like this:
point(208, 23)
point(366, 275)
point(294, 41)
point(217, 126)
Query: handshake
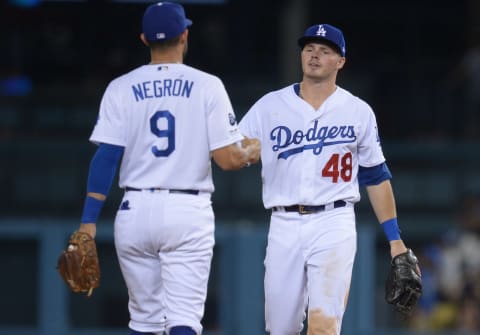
point(252, 149)
point(238, 155)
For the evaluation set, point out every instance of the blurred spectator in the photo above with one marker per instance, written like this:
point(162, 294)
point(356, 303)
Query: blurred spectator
point(464, 83)
point(451, 273)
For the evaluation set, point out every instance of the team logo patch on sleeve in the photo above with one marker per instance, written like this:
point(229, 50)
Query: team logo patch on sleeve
point(231, 119)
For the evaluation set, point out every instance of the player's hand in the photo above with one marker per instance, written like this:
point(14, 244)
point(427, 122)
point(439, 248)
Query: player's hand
point(397, 247)
point(253, 147)
point(248, 141)
point(89, 228)
point(237, 155)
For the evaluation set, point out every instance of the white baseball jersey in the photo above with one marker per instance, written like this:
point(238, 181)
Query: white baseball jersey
point(311, 157)
point(166, 116)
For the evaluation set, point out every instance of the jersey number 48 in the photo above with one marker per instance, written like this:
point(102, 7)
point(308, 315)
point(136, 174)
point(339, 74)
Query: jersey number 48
point(338, 167)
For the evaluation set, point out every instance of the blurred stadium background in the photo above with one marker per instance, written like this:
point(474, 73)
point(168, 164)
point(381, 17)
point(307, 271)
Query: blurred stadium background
point(417, 62)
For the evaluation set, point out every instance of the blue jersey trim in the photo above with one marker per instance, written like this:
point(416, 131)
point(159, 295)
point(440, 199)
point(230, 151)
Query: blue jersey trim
point(103, 168)
point(296, 88)
point(374, 175)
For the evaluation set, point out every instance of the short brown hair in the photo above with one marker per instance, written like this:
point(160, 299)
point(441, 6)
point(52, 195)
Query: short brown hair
point(163, 45)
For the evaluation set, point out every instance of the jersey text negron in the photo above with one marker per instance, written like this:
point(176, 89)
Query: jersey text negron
point(160, 88)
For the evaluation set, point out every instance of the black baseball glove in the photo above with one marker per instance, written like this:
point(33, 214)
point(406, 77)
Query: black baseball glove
point(403, 286)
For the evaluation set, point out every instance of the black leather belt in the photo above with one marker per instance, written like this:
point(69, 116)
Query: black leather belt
point(192, 192)
point(309, 209)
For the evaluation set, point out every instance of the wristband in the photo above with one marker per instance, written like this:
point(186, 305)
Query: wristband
point(391, 230)
point(91, 210)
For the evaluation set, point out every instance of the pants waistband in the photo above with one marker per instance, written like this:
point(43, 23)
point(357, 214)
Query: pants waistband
point(308, 209)
point(192, 192)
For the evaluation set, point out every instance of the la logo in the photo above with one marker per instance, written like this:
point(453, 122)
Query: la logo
point(321, 31)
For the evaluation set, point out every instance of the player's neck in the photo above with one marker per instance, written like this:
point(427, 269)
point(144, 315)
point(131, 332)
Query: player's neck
point(169, 57)
point(315, 93)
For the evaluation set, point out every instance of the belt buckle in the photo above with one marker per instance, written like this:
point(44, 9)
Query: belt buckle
point(302, 210)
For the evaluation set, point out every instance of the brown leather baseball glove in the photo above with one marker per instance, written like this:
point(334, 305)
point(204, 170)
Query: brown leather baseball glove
point(78, 265)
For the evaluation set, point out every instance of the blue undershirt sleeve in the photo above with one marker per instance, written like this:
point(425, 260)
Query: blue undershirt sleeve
point(374, 175)
point(103, 168)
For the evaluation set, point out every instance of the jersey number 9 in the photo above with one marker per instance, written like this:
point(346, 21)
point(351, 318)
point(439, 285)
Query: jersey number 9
point(168, 133)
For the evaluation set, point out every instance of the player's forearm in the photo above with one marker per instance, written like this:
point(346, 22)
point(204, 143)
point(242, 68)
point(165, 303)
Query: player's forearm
point(231, 158)
point(383, 203)
point(96, 200)
point(382, 200)
point(91, 211)
point(101, 173)
point(98, 196)
point(397, 247)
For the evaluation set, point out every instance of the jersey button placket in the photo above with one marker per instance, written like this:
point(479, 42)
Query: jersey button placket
point(308, 166)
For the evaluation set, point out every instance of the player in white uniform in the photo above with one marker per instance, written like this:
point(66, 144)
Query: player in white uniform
point(318, 143)
point(165, 121)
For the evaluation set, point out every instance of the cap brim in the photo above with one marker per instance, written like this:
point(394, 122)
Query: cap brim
point(309, 39)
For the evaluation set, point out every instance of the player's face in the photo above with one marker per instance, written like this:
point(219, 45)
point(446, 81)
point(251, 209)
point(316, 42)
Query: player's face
point(320, 61)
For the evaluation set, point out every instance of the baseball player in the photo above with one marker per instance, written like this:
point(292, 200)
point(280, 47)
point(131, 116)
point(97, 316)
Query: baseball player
point(164, 121)
point(319, 142)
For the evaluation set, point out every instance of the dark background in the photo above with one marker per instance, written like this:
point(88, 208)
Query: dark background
point(403, 58)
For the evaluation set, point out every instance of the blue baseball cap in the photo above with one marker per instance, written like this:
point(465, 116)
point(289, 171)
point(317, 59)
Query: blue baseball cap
point(163, 21)
point(324, 33)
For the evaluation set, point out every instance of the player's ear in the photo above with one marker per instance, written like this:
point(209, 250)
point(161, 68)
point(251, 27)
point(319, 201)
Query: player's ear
point(144, 40)
point(184, 36)
point(341, 62)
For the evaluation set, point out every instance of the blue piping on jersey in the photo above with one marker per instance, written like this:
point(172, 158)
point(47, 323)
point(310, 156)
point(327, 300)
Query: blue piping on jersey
point(296, 88)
